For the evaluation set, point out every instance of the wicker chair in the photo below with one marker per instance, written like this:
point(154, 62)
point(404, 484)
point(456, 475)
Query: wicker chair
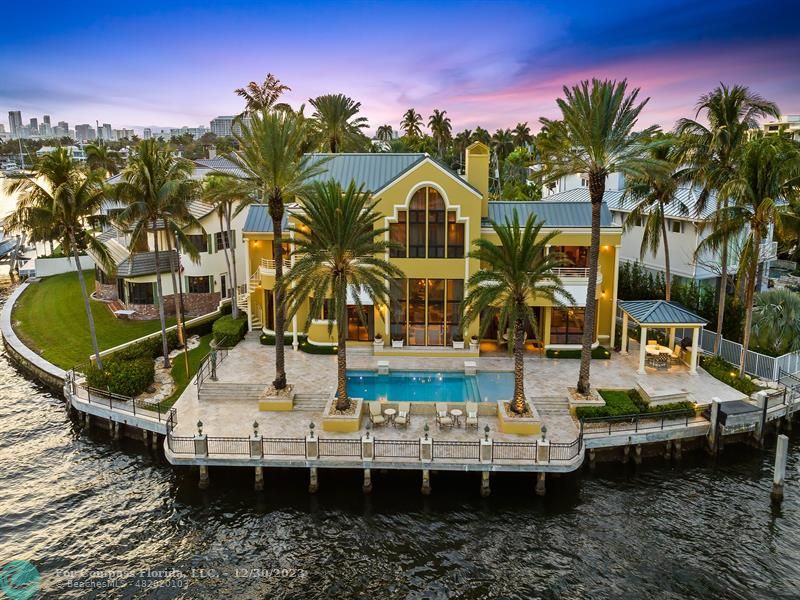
point(375, 413)
point(403, 414)
point(442, 418)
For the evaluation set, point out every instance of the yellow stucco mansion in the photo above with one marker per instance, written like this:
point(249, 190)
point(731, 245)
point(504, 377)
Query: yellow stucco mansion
point(435, 214)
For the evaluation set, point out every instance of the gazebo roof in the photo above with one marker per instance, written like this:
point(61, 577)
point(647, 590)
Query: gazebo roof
point(661, 313)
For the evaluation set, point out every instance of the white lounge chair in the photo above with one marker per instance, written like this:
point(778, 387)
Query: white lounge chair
point(442, 418)
point(375, 413)
point(472, 415)
point(403, 414)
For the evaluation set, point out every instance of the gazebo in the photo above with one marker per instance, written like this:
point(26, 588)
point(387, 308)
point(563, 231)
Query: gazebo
point(660, 314)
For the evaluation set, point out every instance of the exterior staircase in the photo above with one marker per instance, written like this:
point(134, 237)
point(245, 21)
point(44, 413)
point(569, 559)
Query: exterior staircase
point(551, 405)
point(243, 299)
point(219, 391)
point(310, 402)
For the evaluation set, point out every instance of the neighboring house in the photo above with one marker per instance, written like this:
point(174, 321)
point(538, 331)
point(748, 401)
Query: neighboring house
point(684, 233)
point(435, 214)
point(131, 286)
point(787, 124)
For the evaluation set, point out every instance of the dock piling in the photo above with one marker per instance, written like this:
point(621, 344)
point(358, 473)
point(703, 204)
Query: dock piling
point(637, 454)
point(540, 484)
point(259, 482)
point(779, 474)
point(677, 450)
point(204, 480)
point(668, 450)
point(426, 482)
point(366, 487)
point(313, 482)
point(485, 490)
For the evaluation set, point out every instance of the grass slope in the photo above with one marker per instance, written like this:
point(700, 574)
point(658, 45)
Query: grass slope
point(51, 319)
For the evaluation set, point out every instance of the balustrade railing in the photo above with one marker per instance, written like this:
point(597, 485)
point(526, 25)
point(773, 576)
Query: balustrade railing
point(639, 422)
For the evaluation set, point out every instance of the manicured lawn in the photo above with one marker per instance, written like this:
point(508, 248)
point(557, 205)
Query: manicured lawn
point(626, 402)
point(51, 319)
point(179, 368)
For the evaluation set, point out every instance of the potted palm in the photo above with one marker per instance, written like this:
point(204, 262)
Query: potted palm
point(473, 343)
point(397, 341)
point(378, 340)
point(458, 341)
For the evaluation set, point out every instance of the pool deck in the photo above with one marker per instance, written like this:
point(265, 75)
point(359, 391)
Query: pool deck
point(314, 377)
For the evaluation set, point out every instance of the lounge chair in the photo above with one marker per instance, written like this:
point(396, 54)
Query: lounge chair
point(403, 414)
point(472, 415)
point(375, 413)
point(443, 419)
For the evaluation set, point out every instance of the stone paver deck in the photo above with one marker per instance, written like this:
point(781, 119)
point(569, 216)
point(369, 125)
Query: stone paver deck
point(315, 376)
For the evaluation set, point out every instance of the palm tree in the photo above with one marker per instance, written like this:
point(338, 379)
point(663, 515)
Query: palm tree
point(709, 151)
point(336, 122)
point(156, 188)
point(65, 203)
point(502, 143)
point(522, 135)
point(103, 158)
point(514, 274)
point(776, 321)
point(596, 137)
point(385, 133)
point(767, 174)
point(411, 124)
point(264, 96)
point(225, 193)
point(482, 135)
point(339, 245)
point(441, 128)
point(651, 194)
point(271, 155)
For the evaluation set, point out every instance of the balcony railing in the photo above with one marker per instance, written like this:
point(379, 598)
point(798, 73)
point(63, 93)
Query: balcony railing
point(268, 265)
point(572, 271)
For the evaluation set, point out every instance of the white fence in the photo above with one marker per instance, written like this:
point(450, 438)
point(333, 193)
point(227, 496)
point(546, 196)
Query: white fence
point(760, 365)
point(55, 266)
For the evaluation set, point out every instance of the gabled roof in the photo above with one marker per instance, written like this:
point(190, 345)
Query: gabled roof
point(660, 312)
point(555, 214)
point(221, 165)
point(682, 206)
point(259, 221)
point(144, 263)
point(372, 170)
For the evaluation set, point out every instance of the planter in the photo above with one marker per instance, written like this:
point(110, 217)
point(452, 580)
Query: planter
point(474, 344)
point(397, 343)
point(459, 345)
point(350, 423)
point(531, 425)
point(378, 342)
point(277, 402)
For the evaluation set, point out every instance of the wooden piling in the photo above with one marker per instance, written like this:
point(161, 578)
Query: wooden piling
point(540, 484)
point(779, 475)
point(485, 490)
point(313, 481)
point(426, 482)
point(637, 454)
point(259, 482)
point(204, 481)
point(366, 487)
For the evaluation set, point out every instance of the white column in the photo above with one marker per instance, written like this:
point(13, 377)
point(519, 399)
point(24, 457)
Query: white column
point(695, 344)
point(624, 348)
point(642, 348)
point(671, 338)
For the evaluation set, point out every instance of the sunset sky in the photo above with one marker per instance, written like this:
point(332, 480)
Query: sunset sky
point(487, 63)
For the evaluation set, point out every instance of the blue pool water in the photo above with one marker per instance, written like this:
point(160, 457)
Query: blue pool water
point(430, 386)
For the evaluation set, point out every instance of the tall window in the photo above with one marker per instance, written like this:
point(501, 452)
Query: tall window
point(140, 293)
point(397, 309)
point(455, 294)
point(427, 229)
point(578, 256)
point(360, 323)
point(224, 239)
point(430, 315)
point(566, 326)
point(199, 241)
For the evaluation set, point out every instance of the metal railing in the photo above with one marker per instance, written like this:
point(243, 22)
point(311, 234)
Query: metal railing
point(515, 451)
point(639, 422)
point(283, 446)
point(211, 361)
point(180, 444)
point(152, 410)
point(571, 271)
point(565, 452)
point(459, 450)
point(397, 449)
point(339, 447)
point(268, 264)
point(229, 445)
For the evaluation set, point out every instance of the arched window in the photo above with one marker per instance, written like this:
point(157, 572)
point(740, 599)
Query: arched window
point(427, 229)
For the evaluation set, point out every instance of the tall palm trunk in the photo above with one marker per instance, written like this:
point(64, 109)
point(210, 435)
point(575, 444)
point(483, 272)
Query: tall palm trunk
point(342, 399)
point(518, 404)
point(87, 305)
point(723, 289)
point(234, 305)
point(276, 212)
point(667, 273)
point(232, 278)
point(597, 187)
point(160, 294)
point(748, 302)
point(175, 294)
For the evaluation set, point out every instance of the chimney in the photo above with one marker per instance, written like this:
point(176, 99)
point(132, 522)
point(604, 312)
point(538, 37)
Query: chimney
point(477, 172)
point(212, 151)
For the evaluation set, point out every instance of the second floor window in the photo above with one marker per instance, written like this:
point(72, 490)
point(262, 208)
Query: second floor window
point(224, 239)
point(199, 241)
point(427, 229)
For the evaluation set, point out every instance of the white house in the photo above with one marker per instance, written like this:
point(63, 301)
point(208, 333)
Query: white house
point(685, 230)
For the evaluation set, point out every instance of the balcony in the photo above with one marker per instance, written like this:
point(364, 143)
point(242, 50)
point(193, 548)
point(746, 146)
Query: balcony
point(574, 280)
point(267, 266)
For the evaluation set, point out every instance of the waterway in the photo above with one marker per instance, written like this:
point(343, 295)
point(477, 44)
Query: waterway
point(105, 521)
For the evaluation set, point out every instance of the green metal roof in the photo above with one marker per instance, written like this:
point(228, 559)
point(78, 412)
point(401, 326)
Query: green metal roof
point(558, 215)
point(660, 312)
point(259, 221)
point(374, 170)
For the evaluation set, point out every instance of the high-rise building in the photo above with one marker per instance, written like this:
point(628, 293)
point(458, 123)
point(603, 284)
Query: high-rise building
point(64, 125)
point(107, 135)
point(46, 120)
point(84, 133)
point(2, 128)
point(224, 125)
point(14, 120)
point(147, 133)
point(34, 125)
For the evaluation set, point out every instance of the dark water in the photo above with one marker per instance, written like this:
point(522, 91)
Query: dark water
point(71, 502)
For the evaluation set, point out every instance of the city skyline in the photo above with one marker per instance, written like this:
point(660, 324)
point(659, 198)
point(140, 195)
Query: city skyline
point(487, 64)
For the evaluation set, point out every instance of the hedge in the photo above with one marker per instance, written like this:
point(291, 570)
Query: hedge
point(124, 376)
point(627, 402)
point(310, 348)
point(229, 329)
point(728, 374)
point(600, 352)
point(151, 347)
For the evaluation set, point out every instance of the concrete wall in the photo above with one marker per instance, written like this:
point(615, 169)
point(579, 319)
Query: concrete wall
point(55, 266)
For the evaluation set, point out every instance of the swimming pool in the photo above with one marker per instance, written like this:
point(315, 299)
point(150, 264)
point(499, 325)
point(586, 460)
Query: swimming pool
point(431, 386)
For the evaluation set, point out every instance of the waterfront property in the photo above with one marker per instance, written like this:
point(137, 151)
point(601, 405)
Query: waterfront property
point(434, 214)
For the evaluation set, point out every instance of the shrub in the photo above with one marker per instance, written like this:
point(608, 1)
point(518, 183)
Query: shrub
point(267, 339)
point(127, 377)
point(229, 329)
point(600, 352)
point(310, 348)
point(627, 402)
point(727, 373)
